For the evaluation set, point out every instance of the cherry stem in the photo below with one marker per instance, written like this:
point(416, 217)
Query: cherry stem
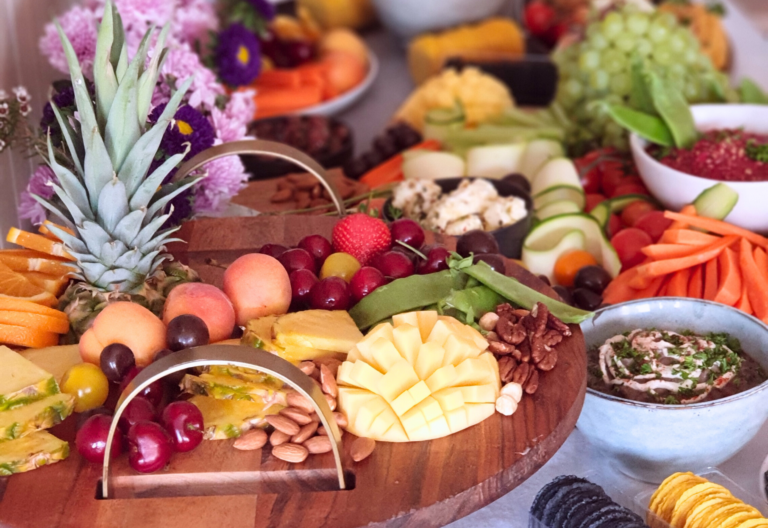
point(419, 253)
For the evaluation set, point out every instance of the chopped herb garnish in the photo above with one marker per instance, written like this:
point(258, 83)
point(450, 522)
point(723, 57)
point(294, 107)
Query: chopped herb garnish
point(756, 151)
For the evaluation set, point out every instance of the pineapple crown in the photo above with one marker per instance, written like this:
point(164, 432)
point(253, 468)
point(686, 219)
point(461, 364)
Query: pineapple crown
point(115, 207)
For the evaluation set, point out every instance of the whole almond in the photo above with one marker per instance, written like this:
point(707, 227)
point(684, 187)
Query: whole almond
point(333, 364)
point(305, 433)
point(251, 440)
point(292, 453)
point(295, 399)
point(284, 424)
point(362, 448)
point(331, 401)
point(322, 431)
point(307, 367)
point(278, 437)
point(341, 420)
point(328, 382)
point(297, 415)
point(282, 196)
point(318, 444)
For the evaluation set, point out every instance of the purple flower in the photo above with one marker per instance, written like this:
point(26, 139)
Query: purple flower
point(65, 100)
point(188, 126)
point(226, 177)
point(231, 123)
point(79, 24)
point(238, 57)
point(38, 184)
point(265, 8)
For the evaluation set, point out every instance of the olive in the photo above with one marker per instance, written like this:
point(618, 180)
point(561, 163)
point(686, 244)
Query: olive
point(593, 278)
point(587, 299)
point(476, 241)
point(186, 331)
point(237, 332)
point(564, 294)
point(494, 260)
point(545, 280)
point(115, 361)
point(519, 181)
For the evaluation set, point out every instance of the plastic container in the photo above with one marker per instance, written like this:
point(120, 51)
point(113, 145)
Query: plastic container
point(763, 478)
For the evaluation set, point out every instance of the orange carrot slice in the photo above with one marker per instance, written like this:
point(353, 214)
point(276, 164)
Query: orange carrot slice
point(696, 284)
point(761, 259)
point(282, 78)
point(711, 279)
point(719, 227)
point(667, 251)
point(619, 290)
point(663, 292)
point(678, 283)
point(652, 290)
point(729, 288)
point(689, 209)
point(744, 305)
point(663, 267)
point(757, 285)
point(688, 237)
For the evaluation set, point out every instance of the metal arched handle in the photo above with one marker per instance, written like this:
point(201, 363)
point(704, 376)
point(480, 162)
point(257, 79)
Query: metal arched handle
point(239, 356)
point(265, 148)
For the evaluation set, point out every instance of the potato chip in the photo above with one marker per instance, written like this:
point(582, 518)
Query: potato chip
point(733, 518)
point(664, 500)
point(693, 497)
point(754, 523)
point(703, 515)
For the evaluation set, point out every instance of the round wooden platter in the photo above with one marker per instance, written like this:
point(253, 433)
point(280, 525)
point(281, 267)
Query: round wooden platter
point(420, 484)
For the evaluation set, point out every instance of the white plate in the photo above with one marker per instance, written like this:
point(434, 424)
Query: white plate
point(348, 98)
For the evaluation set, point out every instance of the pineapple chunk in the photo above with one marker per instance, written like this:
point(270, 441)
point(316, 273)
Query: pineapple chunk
point(31, 452)
point(224, 419)
point(268, 392)
point(242, 373)
point(401, 384)
point(333, 331)
point(42, 414)
point(56, 360)
point(21, 381)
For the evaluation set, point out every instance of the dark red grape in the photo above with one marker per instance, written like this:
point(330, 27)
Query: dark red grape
point(115, 361)
point(394, 265)
point(187, 331)
point(153, 392)
point(237, 332)
point(564, 294)
point(494, 260)
point(386, 145)
point(91, 439)
point(476, 241)
point(355, 168)
point(437, 260)
point(296, 259)
point(273, 250)
point(149, 447)
point(297, 52)
point(587, 299)
point(592, 278)
point(184, 421)
point(407, 231)
point(302, 282)
point(519, 181)
point(317, 246)
point(365, 281)
point(139, 409)
point(331, 293)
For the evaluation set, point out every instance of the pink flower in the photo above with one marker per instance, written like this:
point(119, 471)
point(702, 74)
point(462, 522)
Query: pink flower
point(79, 24)
point(232, 122)
point(38, 184)
point(181, 63)
point(193, 20)
point(139, 15)
point(226, 177)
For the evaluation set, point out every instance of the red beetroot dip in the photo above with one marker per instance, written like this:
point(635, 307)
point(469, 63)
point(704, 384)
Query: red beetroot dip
point(717, 155)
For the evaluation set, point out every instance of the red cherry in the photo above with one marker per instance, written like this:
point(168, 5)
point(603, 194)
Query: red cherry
point(184, 421)
point(273, 250)
point(437, 260)
point(654, 223)
point(331, 293)
point(629, 188)
point(296, 259)
point(365, 281)
point(629, 244)
point(591, 181)
point(593, 200)
point(635, 211)
point(149, 447)
point(91, 439)
point(154, 392)
point(539, 17)
point(302, 282)
point(317, 246)
point(297, 52)
point(614, 225)
point(139, 409)
point(407, 231)
point(394, 265)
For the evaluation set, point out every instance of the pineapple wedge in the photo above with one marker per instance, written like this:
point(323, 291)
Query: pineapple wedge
point(31, 452)
point(268, 392)
point(21, 381)
point(334, 331)
point(224, 419)
point(41, 414)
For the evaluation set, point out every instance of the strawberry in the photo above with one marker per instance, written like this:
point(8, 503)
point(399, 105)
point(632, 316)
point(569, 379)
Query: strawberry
point(361, 236)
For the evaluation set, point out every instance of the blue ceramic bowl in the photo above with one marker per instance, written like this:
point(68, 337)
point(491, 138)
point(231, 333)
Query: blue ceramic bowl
point(651, 441)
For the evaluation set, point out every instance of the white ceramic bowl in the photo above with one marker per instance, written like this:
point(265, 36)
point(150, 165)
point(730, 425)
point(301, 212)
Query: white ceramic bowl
point(674, 189)
point(408, 18)
point(651, 441)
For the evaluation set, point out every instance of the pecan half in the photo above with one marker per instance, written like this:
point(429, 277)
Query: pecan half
point(509, 331)
point(533, 382)
point(501, 348)
point(521, 374)
point(505, 310)
point(556, 324)
point(552, 337)
point(538, 349)
point(507, 366)
point(548, 362)
point(525, 351)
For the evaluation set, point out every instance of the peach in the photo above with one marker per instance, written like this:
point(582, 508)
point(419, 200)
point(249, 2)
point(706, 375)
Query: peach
point(205, 301)
point(257, 285)
point(126, 323)
point(344, 70)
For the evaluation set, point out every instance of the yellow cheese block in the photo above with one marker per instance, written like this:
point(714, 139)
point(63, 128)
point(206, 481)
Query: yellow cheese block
point(56, 360)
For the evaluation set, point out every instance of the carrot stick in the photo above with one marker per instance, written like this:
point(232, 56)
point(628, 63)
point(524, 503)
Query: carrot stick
point(664, 288)
point(663, 267)
point(279, 79)
point(719, 227)
point(286, 99)
point(757, 285)
point(667, 251)
point(653, 288)
point(761, 259)
point(391, 170)
point(689, 209)
point(711, 279)
point(688, 237)
point(744, 305)
point(696, 285)
point(729, 289)
point(619, 290)
point(678, 283)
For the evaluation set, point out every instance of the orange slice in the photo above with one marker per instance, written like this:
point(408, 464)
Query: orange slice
point(26, 337)
point(50, 283)
point(18, 305)
point(38, 243)
point(45, 231)
point(14, 284)
point(25, 260)
point(42, 323)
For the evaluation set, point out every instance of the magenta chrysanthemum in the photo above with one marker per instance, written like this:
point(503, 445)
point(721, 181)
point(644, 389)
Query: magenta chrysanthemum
point(226, 177)
point(181, 63)
point(193, 20)
point(231, 123)
point(79, 24)
point(29, 208)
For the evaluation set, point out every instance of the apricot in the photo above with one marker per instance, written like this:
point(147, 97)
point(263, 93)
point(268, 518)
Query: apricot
point(343, 39)
point(257, 285)
point(344, 70)
point(126, 323)
point(207, 302)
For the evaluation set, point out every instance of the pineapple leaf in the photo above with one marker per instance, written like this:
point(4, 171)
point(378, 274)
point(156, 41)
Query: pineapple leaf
point(92, 271)
point(129, 227)
point(98, 166)
point(69, 240)
point(113, 204)
point(157, 242)
point(148, 78)
point(168, 193)
point(70, 184)
point(83, 257)
point(120, 275)
point(123, 129)
point(61, 215)
point(111, 251)
point(103, 73)
point(149, 230)
point(148, 188)
point(150, 263)
point(140, 157)
point(74, 143)
point(119, 56)
point(94, 236)
point(129, 260)
point(74, 211)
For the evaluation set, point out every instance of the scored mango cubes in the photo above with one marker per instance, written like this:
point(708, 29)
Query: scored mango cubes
point(423, 377)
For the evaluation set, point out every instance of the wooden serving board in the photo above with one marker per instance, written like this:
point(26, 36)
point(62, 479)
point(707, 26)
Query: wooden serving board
point(421, 484)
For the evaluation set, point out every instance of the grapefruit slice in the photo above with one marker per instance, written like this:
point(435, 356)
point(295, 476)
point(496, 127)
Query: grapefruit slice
point(50, 283)
point(26, 337)
point(42, 323)
point(13, 284)
point(27, 260)
point(38, 243)
point(19, 305)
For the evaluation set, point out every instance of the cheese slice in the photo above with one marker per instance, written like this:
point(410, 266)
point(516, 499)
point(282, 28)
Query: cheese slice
point(21, 381)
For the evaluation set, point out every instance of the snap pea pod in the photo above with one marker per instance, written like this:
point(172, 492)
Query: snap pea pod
point(640, 96)
point(751, 93)
point(646, 126)
point(674, 110)
point(520, 294)
point(402, 295)
point(473, 302)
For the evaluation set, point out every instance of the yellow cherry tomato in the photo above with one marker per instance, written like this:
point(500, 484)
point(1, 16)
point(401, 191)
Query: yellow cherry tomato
point(88, 384)
point(341, 265)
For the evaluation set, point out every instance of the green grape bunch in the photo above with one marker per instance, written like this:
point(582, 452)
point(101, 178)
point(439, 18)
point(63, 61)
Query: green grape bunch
point(598, 69)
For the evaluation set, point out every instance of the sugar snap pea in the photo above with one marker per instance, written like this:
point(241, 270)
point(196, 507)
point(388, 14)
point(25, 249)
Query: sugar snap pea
point(640, 96)
point(473, 302)
point(751, 93)
point(646, 126)
point(674, 110)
